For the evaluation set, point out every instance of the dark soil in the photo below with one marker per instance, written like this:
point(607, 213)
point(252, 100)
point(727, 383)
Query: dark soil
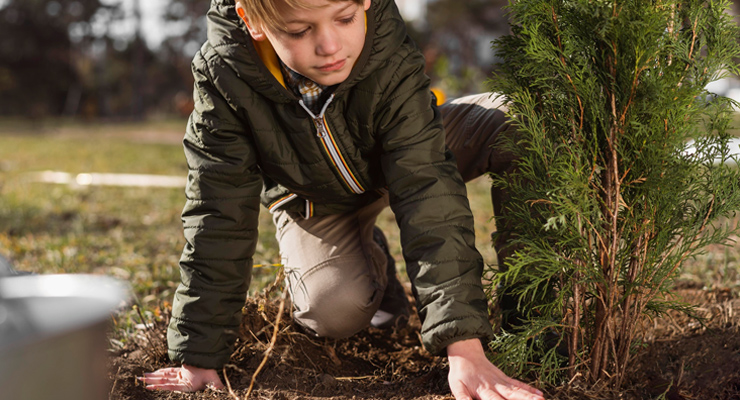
point(680, 359)
point(690, 359)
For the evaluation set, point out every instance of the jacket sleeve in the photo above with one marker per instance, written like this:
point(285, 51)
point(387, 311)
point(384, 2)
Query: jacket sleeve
point(429, 200)
point(220, 227)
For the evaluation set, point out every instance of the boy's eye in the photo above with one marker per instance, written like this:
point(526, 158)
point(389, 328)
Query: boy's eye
point(348, 20)
point(344, 21)
point(298, 35)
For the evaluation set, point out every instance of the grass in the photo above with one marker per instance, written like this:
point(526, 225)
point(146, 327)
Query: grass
point(135, 234)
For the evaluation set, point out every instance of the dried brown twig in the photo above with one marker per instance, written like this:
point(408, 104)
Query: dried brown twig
point(228, 386)
point(272, 342)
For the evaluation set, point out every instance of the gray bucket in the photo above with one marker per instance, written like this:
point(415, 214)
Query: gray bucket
point(53, 342)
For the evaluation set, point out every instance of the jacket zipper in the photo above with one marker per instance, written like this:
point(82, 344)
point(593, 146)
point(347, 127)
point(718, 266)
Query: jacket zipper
point(323, 132)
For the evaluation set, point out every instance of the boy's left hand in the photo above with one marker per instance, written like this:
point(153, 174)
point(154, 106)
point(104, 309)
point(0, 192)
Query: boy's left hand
point(472, 376)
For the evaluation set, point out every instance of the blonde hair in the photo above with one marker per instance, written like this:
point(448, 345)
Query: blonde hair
point(265, 12)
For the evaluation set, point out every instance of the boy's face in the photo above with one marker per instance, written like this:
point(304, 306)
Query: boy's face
point(321, 43)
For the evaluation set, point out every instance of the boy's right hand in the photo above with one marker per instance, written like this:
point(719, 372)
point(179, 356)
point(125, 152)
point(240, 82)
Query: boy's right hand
point(182, 379)
point(473, 376)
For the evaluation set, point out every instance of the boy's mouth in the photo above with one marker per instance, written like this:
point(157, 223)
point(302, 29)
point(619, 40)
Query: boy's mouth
point(337, 65)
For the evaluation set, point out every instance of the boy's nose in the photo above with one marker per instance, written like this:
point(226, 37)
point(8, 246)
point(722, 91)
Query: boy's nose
point(328, 42)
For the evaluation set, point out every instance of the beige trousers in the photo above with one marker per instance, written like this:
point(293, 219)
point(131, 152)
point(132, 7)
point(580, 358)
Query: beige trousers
point(335, 272)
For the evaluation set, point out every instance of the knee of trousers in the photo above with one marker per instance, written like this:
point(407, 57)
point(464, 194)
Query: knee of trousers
point(333, 308)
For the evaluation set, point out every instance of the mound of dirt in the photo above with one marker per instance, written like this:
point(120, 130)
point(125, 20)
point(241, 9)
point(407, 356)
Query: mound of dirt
point(680, 359)
point(374, 364)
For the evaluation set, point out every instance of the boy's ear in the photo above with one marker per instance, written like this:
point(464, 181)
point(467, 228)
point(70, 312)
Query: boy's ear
point(366, 5)
point(257, 34)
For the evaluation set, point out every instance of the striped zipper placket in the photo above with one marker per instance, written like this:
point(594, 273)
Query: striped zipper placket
point(309, 209)
point(279, 202)
point(322, 131)
point(275, 205)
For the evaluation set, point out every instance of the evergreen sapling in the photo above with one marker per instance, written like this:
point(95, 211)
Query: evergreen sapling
point(606, 203)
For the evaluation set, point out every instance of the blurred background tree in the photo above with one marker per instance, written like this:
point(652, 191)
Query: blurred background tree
point(40, 45)
point(91, 59)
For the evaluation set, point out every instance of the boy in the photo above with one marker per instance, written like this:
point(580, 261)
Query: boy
point(321, 110)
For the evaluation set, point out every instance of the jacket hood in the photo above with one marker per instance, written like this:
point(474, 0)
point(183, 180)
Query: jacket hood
point(386, 31)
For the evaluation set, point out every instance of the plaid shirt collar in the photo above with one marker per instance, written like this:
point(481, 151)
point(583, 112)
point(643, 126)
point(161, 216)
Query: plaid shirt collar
point(307, 89)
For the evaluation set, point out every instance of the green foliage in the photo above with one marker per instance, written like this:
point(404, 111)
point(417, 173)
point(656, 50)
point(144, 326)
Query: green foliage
point(607, 203)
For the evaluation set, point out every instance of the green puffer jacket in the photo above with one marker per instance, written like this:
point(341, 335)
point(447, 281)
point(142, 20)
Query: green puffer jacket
point(250, 141)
